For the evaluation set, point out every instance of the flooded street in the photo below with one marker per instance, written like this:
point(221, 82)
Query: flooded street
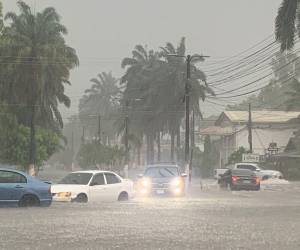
point(208, 219)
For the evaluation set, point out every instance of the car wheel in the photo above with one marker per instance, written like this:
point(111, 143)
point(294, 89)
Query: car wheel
point(123, 196)
point(81, 198)
point(29, 201)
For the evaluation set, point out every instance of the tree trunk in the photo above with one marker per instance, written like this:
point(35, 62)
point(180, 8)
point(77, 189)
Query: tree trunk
point(193, 131)
point(172, 145)
point(178, 143)
point(152, 148)
point(158, 147)
point(32, 145)
point(139, 156)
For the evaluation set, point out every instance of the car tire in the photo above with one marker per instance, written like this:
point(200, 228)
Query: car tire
point(257, 188)
point(81, 198)
point(29, 200)
point(123, 196)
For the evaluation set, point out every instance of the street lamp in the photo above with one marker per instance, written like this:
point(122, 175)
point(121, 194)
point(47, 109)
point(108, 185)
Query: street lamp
point(188, 59)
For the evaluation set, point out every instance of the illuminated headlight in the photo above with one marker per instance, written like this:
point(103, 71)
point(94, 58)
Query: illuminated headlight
point(176, 182)
point(64, 194)
point(145, 183)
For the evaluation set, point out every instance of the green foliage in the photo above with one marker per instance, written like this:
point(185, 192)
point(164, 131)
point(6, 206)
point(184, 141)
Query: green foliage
point(95, 155)
point(209, 158)
point(237, 155)
point(15, 139)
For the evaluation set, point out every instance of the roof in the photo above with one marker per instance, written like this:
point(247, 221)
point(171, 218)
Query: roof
point(263, 116)
point(293, 145)
point(215, 130)
point(93, 171)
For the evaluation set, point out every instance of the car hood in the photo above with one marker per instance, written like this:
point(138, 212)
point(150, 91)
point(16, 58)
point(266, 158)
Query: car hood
point(163, 180)
point(67, 188)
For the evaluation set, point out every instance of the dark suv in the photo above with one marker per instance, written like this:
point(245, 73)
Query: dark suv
point(162, 179)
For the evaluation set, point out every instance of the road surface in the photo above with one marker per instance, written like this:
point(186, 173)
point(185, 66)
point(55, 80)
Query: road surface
point(207, 219)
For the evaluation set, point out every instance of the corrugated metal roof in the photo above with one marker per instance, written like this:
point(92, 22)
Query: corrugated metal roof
point(214, 130)
point(264, 116)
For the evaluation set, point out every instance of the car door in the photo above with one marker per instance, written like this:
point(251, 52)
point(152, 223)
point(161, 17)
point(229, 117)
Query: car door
point(114, 186)
point(97, 188)
point(12, 186)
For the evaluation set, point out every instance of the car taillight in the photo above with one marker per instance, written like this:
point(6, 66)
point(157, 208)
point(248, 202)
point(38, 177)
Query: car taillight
point(257, 180)
point(234, 178)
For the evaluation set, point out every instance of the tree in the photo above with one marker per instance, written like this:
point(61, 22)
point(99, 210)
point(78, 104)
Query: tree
point(209, 158)
point(293, 101)
point(287, 23)
point(237, 156)
point(102, 98)
point(175, 87)
point(95, 156)
point(38, 62)
point(15, 139)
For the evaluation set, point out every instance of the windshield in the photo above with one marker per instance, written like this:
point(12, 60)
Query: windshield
point(76, 178)
point(161, 172)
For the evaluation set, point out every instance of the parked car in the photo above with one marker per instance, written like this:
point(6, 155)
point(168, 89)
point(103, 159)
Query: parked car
point(262, 173)
point(240, 179)
point(161, 179)
point(218, 172)
point(18, 188)
point(93, 185)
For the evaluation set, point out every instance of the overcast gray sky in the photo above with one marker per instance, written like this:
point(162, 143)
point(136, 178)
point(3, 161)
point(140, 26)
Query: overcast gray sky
point(105, 31)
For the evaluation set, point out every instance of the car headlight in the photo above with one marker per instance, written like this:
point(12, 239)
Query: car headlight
point(177, 182)
point(145, 182)
point(64, 194)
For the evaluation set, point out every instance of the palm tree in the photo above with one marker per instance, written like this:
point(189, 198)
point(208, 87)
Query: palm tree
point(102, 98)
point(39, 62)
point(287, 23)
point(176, 66)
point(293, 102)
point(140, 99)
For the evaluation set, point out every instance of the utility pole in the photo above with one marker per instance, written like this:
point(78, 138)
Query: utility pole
point(193, 130)
point(83, 135)
point(72, 149)
point(99, 129)
point(126, 136)
point(187, 110)
point(250, 129)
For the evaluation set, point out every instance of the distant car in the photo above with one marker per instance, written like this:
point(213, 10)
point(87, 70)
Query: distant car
point(262, 173)
point(161, 179)
point(240, 179)
point(218, 172)
point(90, 186)
point(18, 188)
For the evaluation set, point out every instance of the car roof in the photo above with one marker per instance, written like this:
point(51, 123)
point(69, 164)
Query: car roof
point(93, 171)
point(162, 165)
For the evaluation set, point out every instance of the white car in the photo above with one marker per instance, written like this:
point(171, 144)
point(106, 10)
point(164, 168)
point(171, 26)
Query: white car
point(94, 185)
point(262, 173)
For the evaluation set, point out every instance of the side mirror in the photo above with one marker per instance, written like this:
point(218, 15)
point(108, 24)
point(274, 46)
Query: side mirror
point(184, 175)
point(140, 176)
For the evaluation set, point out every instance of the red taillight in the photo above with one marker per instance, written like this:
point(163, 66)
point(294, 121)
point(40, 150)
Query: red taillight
point(257, 180)
point(234, 178)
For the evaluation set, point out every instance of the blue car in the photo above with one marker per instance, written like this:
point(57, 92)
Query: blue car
point(18, 188)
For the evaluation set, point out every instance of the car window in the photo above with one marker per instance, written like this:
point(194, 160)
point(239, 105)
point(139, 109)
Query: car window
point(98, 180)
point(76, 178)
point(161, 172)
point(112, 178)
point(249, 167)
point(11, 177)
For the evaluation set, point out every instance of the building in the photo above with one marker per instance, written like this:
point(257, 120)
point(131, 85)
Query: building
point(273, 128)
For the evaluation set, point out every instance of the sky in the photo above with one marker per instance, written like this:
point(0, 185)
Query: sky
point(105, 31)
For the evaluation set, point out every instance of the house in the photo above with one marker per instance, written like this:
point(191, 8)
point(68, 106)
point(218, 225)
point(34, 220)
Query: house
point(230, 132)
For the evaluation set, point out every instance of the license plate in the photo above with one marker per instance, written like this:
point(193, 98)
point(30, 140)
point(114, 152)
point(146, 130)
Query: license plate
point(247, 182)
point(160, 191)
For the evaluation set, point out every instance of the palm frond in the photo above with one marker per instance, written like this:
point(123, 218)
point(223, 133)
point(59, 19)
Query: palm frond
point(285, 24)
